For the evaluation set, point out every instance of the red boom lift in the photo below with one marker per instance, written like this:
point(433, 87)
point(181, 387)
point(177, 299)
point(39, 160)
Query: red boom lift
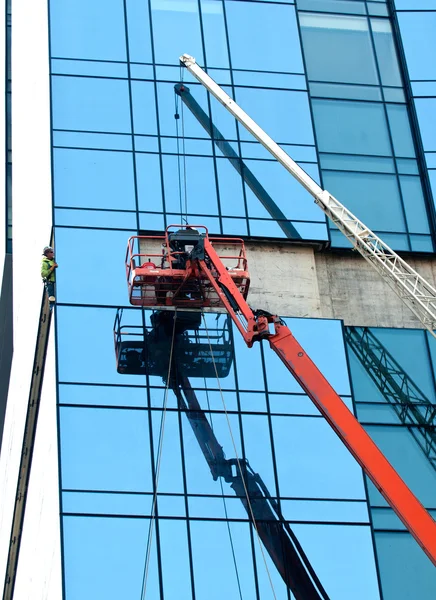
point(194, 271)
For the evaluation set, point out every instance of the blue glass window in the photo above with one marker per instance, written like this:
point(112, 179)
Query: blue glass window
point(413, 198)
point(105, 556)
point(292, 199)
point(90, 104)
point(400, 130)
point(93, 179)
point(338, 48)
point(78, 280)
point(406, 571)
point(230, 188)
point(426, 109)
point(176, 30)
point(144, 107)
point(351, 127)
point(417, 32)
point(386, 54)
point(82, 29)
point(285, 116)
point(374, 199)
point(264, 37)
point(105, 449)
point(138, 27)
point(215, 38)
point(294, 436)
point(200, 181)
point(149, 183)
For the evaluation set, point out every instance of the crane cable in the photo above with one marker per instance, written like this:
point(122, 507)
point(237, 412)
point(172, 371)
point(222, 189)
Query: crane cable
point(157, 467)
point(239, 462)
point(224, 502)
point(181, 156)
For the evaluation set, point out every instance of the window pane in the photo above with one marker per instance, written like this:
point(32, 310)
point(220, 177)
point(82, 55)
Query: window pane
point(404, 568)
point(82, 278)
point(212, 539)
point(414, 204)
point(323, 470)
point(400, 130)
point(426, 109)
point(83, 29)
point(338, 48)
point(374, 199)
point(347, 569)
point(285, 116)
point(413, 466)
point(104, 558)
point(200, 182)
point(149, 182)
point(215, 38)
point(386, 54)
point(264, 37)
point(231, 189)
point(417, 32)
point(351, 127)
point(138, 31)
point(144, 107)
point(105, 449)
point(86, 103)
point(290, 196)
point(176, 30)
point(93, 179)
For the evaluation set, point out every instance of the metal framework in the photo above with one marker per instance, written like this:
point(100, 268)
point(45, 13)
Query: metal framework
point(408, 401)
point(201, 263)
point(409, 286)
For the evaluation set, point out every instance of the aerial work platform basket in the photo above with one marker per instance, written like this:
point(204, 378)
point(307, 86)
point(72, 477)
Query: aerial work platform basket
point(166, 271)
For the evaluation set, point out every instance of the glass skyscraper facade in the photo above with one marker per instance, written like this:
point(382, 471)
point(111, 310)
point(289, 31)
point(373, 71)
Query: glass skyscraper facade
point(347, 88)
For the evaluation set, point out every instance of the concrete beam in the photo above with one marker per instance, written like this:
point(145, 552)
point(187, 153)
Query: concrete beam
point(303, 281)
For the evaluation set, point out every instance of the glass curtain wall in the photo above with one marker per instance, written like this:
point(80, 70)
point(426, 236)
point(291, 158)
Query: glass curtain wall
point(202, 544)
point(417, 22)
point(366, 148)
point(117, 144)
point(120, 165)
point(393, 380)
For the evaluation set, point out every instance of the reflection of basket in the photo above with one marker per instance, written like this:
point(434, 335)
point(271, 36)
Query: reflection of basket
point(142, 351)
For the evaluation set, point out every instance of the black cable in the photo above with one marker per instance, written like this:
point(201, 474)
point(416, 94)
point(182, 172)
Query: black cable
point(176, 117)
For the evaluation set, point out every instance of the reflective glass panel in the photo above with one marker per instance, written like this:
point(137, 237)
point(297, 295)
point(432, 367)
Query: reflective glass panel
point(338, 48)
point(351, 127)
point(264, 37)
point(82, 29)
point(176, 30)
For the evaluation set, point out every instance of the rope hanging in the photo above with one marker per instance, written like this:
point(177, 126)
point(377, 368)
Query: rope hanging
point(157, 467)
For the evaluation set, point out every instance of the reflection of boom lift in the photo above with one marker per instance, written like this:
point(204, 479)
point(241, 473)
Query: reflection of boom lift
point(262, 509)
point(410, 404)
point(205, 281)
point(235, 160)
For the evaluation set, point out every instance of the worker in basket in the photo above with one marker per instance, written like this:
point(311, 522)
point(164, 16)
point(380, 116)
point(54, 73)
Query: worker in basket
point(48, 273)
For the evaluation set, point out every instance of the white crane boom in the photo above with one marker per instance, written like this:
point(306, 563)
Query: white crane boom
point(410, 287)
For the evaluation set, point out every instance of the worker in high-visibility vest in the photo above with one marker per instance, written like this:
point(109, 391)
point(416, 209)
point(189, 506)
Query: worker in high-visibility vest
point(48, 274)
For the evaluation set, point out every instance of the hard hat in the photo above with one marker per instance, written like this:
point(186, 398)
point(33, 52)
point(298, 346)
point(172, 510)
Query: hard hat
point(46, 249)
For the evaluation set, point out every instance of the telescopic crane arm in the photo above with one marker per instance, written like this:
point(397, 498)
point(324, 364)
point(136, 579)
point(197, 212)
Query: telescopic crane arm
point(255, 326)
point(276, 535)
point(411, 288)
